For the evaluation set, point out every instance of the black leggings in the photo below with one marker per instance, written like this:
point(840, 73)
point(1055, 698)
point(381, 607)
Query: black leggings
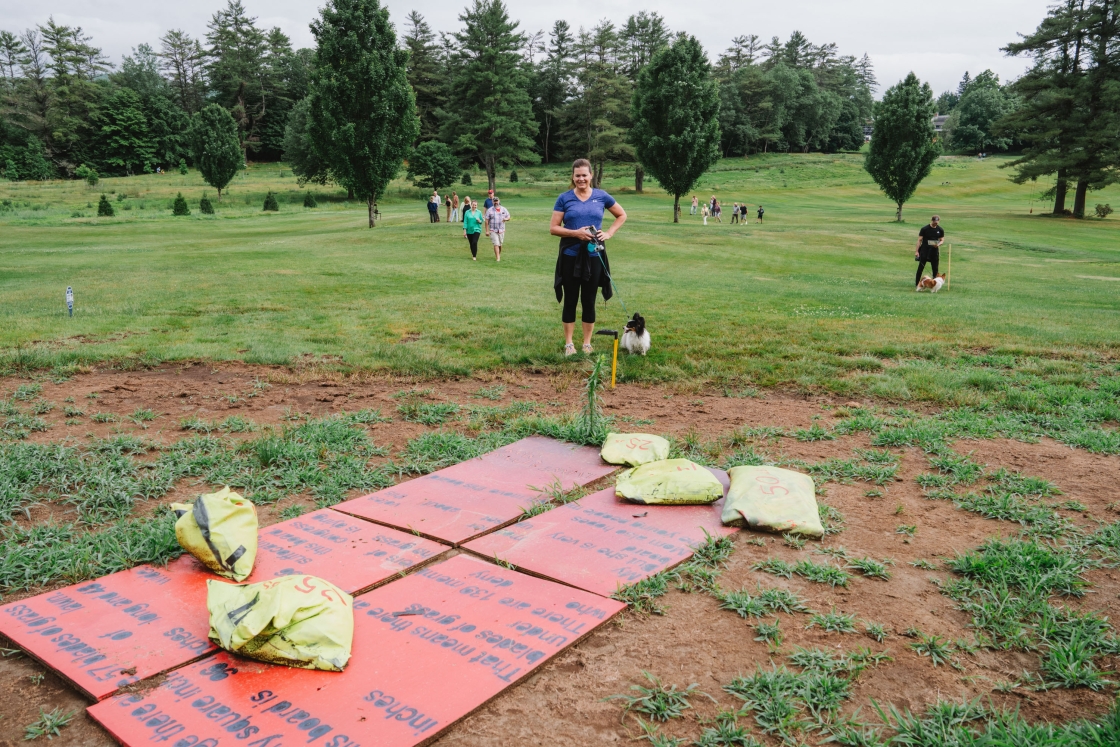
point(473, 239)
point(932, 258)
point(433, 216)
point(578, 289)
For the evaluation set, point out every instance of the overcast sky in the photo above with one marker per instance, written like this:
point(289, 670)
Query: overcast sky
point(937, 40)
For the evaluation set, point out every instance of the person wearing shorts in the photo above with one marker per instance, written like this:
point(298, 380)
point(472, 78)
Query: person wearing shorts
point(929, 247)
point(582, 267)
point(496, 218)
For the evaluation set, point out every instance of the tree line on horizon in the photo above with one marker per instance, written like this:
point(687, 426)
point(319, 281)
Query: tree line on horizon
point(490, 95)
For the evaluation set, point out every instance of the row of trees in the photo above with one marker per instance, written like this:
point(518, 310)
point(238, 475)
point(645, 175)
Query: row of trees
point(62, 104)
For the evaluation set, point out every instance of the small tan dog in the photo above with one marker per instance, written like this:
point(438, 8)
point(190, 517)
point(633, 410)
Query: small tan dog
point(931, 284)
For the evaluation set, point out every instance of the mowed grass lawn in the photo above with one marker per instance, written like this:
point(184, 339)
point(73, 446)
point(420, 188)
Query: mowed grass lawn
point(820, 295)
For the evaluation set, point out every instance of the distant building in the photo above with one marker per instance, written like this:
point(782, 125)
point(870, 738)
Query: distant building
point(939, 121)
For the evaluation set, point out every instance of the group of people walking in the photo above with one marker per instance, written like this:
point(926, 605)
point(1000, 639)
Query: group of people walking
point(491, 217)
point(713, 209)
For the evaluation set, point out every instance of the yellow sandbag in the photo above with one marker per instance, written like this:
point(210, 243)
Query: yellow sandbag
point(220, 529)
point(671, 481)
point(299, 621)
point(634, 449)
point(779, 500)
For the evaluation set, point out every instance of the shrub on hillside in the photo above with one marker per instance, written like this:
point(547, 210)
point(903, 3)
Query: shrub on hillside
point(270, 202)
point(183, 166)
point(1103, 211)
point(513, 176)
point(104, 207)
point(205, 206)
point(309, 200)
point(466, 178)
point(180, 207)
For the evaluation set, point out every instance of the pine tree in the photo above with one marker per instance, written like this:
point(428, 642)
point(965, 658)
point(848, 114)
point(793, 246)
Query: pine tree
point(104, 207)
point(217, 152)
point(1070, 101)
point(553, 85)
point(183, 167)
point(270, 203)
point(362, 113)
point(513, 176)
point(236, 69)
point(180, 206)
point(466, 180)
point(490, 115)
point(600, 110)
point(309, 200)
point(425, 74)
point(205, 206)
point(903, 146)
point(676, 117)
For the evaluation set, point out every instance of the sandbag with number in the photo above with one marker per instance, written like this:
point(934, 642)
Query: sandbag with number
point(671, 481)
point(220, 529)
point(299, 621)
point(634, 449)
point(771, 498)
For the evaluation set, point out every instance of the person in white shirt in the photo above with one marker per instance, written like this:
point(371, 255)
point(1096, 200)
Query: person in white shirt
point(496, 218)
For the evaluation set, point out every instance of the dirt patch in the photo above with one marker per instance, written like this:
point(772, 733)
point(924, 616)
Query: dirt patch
point(694, 641)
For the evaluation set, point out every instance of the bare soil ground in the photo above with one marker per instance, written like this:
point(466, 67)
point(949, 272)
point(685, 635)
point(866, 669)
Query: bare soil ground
point(694, 641)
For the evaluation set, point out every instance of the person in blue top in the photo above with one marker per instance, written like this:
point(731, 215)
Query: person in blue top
point(582, 268)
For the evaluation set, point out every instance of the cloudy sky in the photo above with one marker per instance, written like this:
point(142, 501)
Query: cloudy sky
point(938, 41)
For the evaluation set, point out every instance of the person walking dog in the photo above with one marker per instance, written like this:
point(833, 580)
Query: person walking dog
point(472, 225)
point(496, 218)
point(582, 268)
point(929, 247)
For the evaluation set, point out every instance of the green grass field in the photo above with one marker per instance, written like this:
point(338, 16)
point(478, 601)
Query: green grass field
point(820, 296)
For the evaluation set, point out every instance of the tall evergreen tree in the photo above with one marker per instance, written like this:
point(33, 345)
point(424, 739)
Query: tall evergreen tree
point(1067, 120)
point(643, 36)
point(126, 144)
point(362, 112)
point(903, 147)
point(676, 117)
point(971, 126)
point(215, 147)
point(490, 115)
point(554, 86)
point(71, 95)
point(600, 108)
point(425, 74)
point(167, 123)
point(237, 70)
point(182, 59)
point(307, 161)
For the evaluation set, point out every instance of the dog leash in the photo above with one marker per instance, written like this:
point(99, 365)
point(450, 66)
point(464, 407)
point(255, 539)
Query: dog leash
point(600, 247)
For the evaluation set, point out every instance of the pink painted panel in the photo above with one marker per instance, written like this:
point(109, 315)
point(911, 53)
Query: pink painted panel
point(428, 650)
point(471, 498)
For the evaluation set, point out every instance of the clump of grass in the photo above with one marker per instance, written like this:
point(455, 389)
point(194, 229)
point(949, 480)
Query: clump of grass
point(870, 568)
point(877, 631)
point(1016, 482)
point(935, 647)
point(71, 411)
point(550, 496)
point(436, 413)
point(831, 520)
point(774, 566)
point(743, 603)
point(643, 596)
point(104, 417)
point(291, 511)
point(795, 541)
point(42, 407)
point(923, 564)
point(142, 416)
point(49, 724)
point(833, 622)
point(659, 702)
point(822, 573)
point(26, 392)
point(725, 731)
point(770, 632)
point(960, 469)
point(908, 530)
point(197, 424)
point(493, 393)
point(815, 432)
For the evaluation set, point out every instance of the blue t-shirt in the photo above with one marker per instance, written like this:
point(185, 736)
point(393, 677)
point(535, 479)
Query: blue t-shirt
point(582, 213)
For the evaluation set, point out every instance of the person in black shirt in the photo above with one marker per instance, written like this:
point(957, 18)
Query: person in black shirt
point(928, 249)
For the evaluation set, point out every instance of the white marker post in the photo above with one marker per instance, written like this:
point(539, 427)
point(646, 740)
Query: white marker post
point(70, 300)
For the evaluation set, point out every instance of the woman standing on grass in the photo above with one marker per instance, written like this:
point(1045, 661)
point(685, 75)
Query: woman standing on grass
point(582, 267)
point(472, 225)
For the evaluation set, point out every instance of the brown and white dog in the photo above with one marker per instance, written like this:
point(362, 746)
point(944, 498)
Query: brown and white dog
point(931, 284)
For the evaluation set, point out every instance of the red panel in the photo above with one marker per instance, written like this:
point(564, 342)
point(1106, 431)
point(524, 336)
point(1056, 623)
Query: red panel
point(154, 619)
point(147, 619)
point(470, 629)
point(474, 497)
point(350, 553)
point(600, 542)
